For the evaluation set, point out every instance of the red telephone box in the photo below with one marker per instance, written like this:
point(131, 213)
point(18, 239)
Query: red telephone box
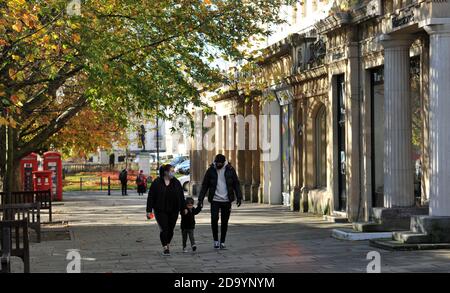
point(28, 165)
point(43, 181)
point(53, 162)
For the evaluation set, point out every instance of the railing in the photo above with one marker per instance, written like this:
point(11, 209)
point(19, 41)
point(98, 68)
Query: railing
point(94, 183)
point(73, 168)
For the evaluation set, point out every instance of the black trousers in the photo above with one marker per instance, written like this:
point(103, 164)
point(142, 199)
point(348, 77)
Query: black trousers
point(124, 189)
point(166, 222)
point(224, 208)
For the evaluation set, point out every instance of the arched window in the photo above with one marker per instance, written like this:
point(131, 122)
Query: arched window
point(321, 147)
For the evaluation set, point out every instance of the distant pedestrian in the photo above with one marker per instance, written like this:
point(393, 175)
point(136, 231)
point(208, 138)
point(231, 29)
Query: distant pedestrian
point(141, 182)
point(123, 177)
point(223, 187)
point(165, 201)
point(188, 223)
point(112, 161)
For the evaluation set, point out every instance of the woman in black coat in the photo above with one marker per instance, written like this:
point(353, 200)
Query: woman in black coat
point(165, 201)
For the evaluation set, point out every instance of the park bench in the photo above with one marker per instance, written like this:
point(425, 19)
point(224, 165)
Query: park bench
point(19, 197)
point(20, 211)
point(14, 243)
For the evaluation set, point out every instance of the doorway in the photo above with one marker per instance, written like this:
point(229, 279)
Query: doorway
point(377, 135)
point(342, 184)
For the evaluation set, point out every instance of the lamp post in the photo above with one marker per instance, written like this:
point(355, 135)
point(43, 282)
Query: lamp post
point(157, 142)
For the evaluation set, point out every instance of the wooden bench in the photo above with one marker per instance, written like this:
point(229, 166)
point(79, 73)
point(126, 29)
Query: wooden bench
point(14, 242)
point(20, 211)
point(19, 197)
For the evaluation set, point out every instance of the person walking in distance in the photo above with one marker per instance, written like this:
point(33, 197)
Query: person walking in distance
point(123, 177)
point(141, 182)
point(165, 202)
point(222, 185)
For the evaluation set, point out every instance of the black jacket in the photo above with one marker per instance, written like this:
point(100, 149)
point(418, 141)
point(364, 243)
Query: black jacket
point(210, 184)
point(165, 198)
point(123, 177)
point(188, 220)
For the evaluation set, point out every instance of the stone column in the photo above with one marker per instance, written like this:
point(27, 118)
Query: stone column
point(248, 154)
point(218, 138)
point(256, 160)
point(304, 154)
point(240, 153)
point(439, 120)
point(398, 168)
point(425, 92)
point(353, 134)
point(296, 159)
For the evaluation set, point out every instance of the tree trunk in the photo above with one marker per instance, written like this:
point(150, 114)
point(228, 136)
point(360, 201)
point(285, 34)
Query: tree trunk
point(16, 184)
point(2, 155)
point(9, 163)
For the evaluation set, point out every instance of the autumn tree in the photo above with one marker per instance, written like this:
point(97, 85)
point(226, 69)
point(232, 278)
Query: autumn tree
point(120, 57)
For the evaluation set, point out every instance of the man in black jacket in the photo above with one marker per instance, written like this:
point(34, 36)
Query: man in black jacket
point(223, 187)
point(123, 177)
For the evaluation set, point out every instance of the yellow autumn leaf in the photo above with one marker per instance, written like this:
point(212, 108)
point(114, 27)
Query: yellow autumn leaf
point(17, 26)
point(12, 73)
point(30, 58)
point(12, 123)
point(76, 38)
point(15, 57)
point(3, 121)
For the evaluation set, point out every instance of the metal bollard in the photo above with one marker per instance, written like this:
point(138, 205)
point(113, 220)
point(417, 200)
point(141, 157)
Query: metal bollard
point(109, 185)
point(101, 183)
point(81, 183)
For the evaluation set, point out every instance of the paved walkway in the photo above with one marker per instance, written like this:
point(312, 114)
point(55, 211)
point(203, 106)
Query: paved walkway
point(112, 235)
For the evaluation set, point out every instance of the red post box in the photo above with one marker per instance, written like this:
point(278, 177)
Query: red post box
point(53, 162)
point(43, 181)
point(28, 165)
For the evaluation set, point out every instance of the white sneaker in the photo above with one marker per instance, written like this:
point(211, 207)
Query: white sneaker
point(185, 250)
point(216, 244)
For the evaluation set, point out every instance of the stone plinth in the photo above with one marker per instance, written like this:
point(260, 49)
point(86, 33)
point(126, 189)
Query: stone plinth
point(390, 219)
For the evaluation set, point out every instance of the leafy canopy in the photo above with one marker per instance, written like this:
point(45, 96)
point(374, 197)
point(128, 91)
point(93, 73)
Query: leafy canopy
point(117, 56)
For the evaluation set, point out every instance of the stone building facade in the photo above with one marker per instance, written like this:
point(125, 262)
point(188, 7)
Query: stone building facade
point(363, 96)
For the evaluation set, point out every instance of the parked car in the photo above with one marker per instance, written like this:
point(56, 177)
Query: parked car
point(178, 160)
point(183, 168)
point(184, 180)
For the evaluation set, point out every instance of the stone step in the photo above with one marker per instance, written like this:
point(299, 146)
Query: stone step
point(394, 245)
point(335, 219)
point(352, 235)
point(388, 226)
point(409, 237)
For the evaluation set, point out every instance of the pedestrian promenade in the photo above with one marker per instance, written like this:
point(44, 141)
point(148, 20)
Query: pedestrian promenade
point(112, 234)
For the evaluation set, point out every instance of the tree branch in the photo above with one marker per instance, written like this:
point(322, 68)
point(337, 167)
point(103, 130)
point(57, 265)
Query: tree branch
point(53, 127)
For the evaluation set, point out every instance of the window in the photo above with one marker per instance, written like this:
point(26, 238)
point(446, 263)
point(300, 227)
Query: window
point(321, 147)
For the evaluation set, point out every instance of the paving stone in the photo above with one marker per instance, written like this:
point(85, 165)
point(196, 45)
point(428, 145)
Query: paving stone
point(113, 235)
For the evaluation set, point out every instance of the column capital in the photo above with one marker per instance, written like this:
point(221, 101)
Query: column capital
point(396, 41)
point(438, 29)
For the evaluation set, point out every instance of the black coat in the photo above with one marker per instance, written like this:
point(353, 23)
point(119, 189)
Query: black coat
point(188, 220)
point(123, 177)
point(165, 198)
point(210, 183)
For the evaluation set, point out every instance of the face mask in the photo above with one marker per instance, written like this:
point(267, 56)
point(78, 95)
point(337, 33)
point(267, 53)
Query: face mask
point(171, 175)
